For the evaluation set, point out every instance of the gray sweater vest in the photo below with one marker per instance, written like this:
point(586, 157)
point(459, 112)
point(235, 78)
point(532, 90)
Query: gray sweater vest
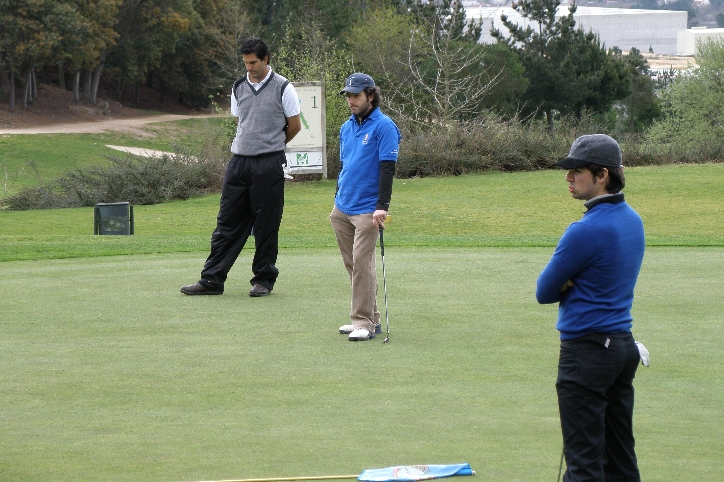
point(261, 117)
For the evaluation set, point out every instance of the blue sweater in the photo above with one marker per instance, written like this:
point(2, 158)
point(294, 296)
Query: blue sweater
point(602, 254)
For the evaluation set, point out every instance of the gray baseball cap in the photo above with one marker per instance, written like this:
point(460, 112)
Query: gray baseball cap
point(592, 149)
point(356, 83)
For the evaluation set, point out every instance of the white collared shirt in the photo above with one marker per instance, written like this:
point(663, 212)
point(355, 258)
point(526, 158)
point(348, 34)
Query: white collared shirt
point(290, 99)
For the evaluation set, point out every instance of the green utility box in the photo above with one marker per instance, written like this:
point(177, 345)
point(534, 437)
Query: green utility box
point(113, 218)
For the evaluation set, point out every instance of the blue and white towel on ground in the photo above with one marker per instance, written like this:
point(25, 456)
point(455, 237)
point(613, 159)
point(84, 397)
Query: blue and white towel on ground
point(411, 473)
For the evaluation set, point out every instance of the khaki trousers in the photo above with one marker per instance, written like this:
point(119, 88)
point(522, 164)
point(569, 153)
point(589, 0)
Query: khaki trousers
point(357, 239)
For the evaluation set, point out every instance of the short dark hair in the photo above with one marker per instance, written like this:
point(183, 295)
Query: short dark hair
point(377, 99)
point(616, 180)
point(255, 46)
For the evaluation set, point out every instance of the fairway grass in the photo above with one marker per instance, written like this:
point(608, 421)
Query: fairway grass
point(108, 373)
point(680, 206)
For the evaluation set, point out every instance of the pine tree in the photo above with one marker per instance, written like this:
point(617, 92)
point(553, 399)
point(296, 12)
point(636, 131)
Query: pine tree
point(569, 70)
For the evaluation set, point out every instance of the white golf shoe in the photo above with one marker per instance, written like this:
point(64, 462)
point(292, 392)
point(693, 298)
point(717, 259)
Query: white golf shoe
point(360, 334)
point(347, 329)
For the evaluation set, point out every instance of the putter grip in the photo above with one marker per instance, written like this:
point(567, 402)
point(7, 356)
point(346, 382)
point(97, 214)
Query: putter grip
point(382, 241)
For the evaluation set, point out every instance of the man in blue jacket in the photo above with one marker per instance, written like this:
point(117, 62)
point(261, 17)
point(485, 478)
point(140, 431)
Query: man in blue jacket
point(592, 276)
point(368, 150)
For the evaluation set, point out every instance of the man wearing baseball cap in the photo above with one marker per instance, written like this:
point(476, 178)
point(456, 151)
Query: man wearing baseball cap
point(368, 149)
point(592, 275)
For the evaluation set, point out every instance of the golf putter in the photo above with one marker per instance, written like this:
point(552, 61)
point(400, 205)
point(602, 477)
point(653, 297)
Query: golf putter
point(384, 282)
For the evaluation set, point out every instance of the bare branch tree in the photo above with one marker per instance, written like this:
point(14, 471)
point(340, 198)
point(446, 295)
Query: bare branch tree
point(440, 81)
point(228, 30)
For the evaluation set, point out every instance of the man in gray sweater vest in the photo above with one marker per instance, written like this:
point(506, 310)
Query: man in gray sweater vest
point(267, 108)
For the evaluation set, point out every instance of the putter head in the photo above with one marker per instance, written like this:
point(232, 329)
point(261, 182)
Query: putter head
point(387, 338)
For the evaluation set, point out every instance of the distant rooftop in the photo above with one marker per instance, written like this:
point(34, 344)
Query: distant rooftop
point(646, 30)
point(487, 12)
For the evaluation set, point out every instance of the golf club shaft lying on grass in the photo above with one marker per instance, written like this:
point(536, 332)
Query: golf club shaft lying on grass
point(285, 479)
point(384, 282)
point(407, 473)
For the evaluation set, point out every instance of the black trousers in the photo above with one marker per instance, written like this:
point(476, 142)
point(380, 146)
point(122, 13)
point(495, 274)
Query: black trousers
point(252, 196)
point(596, 401)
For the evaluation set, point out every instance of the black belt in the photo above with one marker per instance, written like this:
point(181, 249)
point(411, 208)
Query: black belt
point(603, 339)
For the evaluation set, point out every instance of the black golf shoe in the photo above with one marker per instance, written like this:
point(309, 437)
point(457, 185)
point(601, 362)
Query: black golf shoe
point(203, 288)
point(259, 290)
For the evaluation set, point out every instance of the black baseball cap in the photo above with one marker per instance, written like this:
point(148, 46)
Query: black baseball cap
point(356, 83)
point(592, 149)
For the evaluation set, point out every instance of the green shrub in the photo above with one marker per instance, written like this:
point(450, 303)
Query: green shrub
point(493, 144)
point(639, 150)
point(131, 179)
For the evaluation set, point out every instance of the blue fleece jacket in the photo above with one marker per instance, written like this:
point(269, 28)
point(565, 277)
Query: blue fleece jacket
point(602, 255)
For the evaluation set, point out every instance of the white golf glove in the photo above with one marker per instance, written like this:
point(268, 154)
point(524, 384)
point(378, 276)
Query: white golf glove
point(644, 354)
point(287, 171)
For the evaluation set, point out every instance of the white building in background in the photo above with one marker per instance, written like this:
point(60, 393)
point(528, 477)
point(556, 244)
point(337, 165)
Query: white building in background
point(616, 27)
point(687, 39)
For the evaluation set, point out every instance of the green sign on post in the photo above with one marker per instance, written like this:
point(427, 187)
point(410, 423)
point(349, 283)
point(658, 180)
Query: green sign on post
point(307, 153)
